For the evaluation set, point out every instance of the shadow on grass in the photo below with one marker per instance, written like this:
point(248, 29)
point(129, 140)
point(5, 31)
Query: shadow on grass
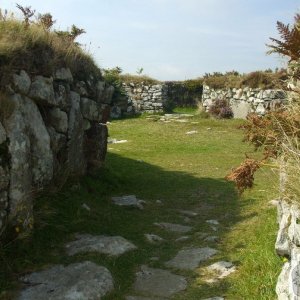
point(59, 216)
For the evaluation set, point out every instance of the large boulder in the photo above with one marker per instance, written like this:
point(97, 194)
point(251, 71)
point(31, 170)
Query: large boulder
point(63, 74)
point(58, 120)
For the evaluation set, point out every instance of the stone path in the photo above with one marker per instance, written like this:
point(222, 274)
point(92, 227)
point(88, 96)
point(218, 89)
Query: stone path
point(87, 280)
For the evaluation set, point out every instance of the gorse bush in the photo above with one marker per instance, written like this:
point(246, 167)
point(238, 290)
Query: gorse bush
point(36, 48)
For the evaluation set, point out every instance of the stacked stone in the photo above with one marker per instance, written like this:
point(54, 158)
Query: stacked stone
point(53, 126)
point(142, 97)
point(245, 100)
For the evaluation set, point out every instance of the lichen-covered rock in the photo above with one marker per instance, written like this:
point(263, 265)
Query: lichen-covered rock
point(21, 82)
point(100, 87)
point(58, 119)
point(42, 91)
point(91, 110)
point(63, 74)
point(76, 156)
point(57, 140)
point(31, 156)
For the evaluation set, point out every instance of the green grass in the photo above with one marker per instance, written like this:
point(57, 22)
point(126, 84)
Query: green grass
point(161, 162)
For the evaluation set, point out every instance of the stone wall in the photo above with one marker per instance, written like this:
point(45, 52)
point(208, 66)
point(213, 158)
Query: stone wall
point(155, 98)
point(287, 245)
point(49, 128)
point(245, 100)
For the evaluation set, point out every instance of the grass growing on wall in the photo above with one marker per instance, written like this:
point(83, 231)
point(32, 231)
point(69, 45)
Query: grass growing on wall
point(160, 162)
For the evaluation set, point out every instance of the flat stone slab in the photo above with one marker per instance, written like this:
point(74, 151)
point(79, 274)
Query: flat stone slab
point(183, 238)
point(221, 269)
point(110, 245)
point(174, 227)
point(158, 282)
point(78, 281)
point(189, 259)
point(212, 238)
point(129, 201)
point(214, 298)
point(115, 141)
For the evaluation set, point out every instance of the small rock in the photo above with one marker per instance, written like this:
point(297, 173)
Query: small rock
point(213, 222)
point(110, 245)
point(214, 228)
point(115, 141)
point(141, 298)
point(215, 298)
point(158, 201)
point(85, 206)
point(222, 269)
point(154, 258)
point(188, 213)
point(187, 220)
point(174, 227)
point(274, 202)
point(84, 280)
point(21, 82)
point(189, 259)
point(183, 238)
point(158, 282)
point(212, 239)
point(153, 238)
point(129, 201)
point(191, 132)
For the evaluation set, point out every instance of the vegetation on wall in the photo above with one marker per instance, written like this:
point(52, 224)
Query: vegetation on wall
point(259, 79)
point(33, 45)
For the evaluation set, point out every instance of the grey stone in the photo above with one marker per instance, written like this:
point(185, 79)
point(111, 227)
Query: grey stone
point(189, 259)
point(91, 110)
point(61, 96)
point(42, 91)
point(153, 238)
point(81, 88)
point(110, 245)
point(58, 120)
point(78, 281)
point(129, 201)
point(2, 134)
point(115, 112)
point(282, 286)
point(191, 132)
point(222, 269)
point(215, 298)
point(57, 140)
point(158, 282)
point(188, 213)
point(174, 227)
point(241, 109)
point(21, 83)
point(100, 87)
point(63, 74)
point(76, 158)
point(86, 124)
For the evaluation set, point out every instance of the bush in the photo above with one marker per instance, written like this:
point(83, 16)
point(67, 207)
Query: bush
point(220, 109)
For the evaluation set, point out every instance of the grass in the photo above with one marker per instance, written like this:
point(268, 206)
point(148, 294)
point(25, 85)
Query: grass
point(39, 51)
point(160, 162)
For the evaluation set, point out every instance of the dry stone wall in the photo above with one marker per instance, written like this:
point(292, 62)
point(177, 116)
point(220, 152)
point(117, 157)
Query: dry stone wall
point(245, 100)
point(48, 127)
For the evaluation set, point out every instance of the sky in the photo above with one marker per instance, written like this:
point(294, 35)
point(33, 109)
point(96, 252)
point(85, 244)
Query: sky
point(173, 39)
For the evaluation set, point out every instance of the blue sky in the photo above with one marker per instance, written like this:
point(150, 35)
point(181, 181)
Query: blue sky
point(173, 39)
